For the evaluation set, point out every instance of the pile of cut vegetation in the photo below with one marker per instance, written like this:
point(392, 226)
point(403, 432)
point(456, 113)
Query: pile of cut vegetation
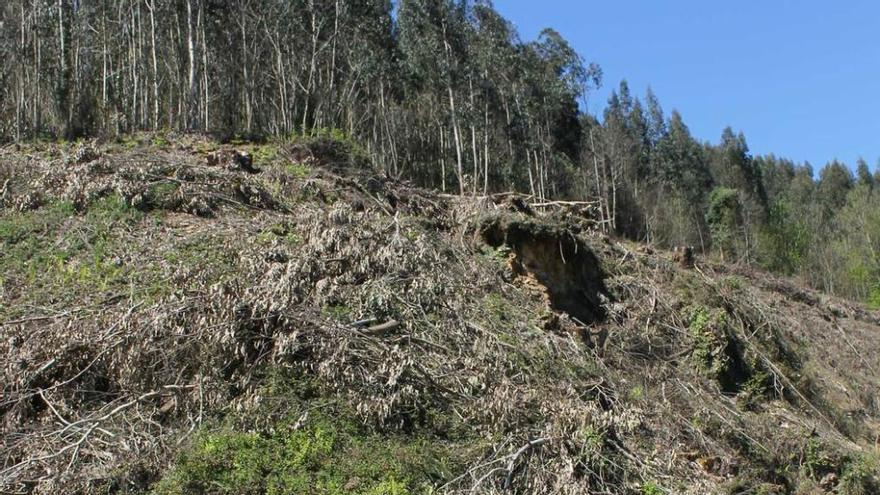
point(180, 316)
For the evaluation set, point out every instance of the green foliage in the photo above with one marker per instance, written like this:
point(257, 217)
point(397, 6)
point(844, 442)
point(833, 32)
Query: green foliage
point(264, 155)
point(27, 226)
point(835, 181)
point(754, 391)
point(279, 232)
point(163, 195)
point(636, 393)
point(331, 133)
point(339, 312)
point(593, 439)
point(708, 329)
point(209, 254)
point(60, 255)
point(861, 476)
point(128, 141)
point(28, 250)
point(734, 168)
point(499, 255)
point(700, 319)
point(297, 170)
point(333, 144)
point(784, 240)
point(112, 209)
point(817, 460)
point(724, 216)
point(733, 282)
point(873, 300)
point(681, 163)
point(500, 313)
point(326, 456)
point(651, 488)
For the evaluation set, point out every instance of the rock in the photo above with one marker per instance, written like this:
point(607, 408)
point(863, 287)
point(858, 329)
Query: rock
point(828, 482)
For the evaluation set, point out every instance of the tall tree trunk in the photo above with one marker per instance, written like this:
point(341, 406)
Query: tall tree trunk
point(246, 78)
point(63, 83)
point(151, 6)
point(459, 169)
point(205, 72)
point(442, 159)
point(191, 75)
point(599, 187)
point(475, 153)
point(486, 149)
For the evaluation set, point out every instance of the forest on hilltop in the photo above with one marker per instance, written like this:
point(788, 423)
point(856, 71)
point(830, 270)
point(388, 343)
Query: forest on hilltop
point(440, 92)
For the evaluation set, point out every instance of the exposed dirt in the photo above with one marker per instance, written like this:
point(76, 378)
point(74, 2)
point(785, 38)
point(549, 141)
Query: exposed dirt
point(561, 263)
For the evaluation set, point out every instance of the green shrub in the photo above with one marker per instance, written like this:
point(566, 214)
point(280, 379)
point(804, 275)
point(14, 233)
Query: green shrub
point(324, 457)
point(651, 488)
point(724, 216)
point(817, 460)
point(297, 170)
point(874, 298)
point(861, 476)
point(708, 344)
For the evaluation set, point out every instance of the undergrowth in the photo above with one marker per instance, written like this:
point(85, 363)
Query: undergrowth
point(325, 456)
point(291, 446)
point(55, 254)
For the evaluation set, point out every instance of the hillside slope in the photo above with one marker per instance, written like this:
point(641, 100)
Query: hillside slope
point(177, 318)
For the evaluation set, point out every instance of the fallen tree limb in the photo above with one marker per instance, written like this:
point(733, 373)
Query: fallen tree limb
point(381, 329)
point(363, 323)
point(563, 203)
point(511, 465)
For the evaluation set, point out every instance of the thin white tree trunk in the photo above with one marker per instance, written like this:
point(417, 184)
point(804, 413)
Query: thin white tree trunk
point(151, 5)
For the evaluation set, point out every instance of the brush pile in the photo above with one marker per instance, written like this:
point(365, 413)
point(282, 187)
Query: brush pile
point(152, 295)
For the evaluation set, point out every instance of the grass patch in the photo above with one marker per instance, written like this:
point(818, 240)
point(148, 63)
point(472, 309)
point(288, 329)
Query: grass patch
point(163, 195)
point(499, 256)
point(297, 170)
point(651, 488)
point(160, 141)
point(264, 155)
point(54, 256)
point(280, 231)
point(210, 254)
point(861, 476)
point(338, 312)
point(325, 456)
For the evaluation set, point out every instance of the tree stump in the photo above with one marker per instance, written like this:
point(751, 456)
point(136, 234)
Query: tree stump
point(684, 256)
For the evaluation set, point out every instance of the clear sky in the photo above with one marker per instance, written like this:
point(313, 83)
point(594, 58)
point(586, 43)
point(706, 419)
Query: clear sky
point(801, 78)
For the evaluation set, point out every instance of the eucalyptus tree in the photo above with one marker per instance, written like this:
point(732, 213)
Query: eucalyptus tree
point(683, 181)
point(554, 81)
point(432, 41)
point(835, 182)
point(863, 174)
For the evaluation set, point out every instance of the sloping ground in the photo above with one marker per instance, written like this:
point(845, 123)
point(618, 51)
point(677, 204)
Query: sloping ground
point(303, 326)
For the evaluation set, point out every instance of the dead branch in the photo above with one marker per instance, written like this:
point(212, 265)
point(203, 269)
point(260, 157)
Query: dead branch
point(511, 465)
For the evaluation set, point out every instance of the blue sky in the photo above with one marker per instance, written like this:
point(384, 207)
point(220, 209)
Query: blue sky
point(799, 78)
